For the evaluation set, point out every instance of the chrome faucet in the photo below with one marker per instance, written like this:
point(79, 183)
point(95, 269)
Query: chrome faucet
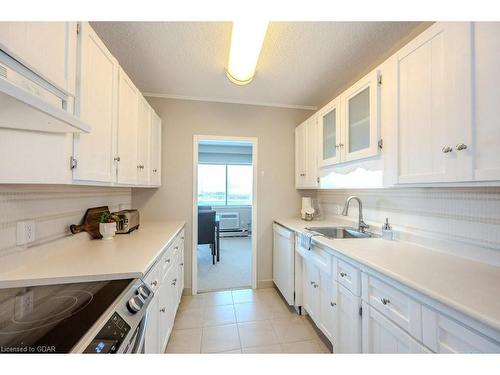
point(361, 224)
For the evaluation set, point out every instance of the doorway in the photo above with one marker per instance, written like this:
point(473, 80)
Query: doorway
point(224, 213)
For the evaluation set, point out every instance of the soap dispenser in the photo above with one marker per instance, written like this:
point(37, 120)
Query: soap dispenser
point(387, 232)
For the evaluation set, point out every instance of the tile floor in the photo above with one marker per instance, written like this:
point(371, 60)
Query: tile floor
point(241, 321)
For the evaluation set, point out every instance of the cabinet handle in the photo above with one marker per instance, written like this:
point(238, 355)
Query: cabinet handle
point(317, 180)
point(333, 304)
point(167, 261)
point(312, 282)
point(117, 158)
point(343, 274)
point(316, 285)
point(163, 310)
point(174, 281)
point(176, 248)
point(154, 170)
point(182, 264)
point(303, 174)
point(154, 283)
point(341, 145)
point(447, 149)
point(461, 147)
point(385, 301)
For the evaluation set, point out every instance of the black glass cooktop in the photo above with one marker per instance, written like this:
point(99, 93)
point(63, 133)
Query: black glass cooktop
point(53, 318)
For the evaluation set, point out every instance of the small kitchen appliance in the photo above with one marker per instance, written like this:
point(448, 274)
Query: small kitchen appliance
point(129, 221)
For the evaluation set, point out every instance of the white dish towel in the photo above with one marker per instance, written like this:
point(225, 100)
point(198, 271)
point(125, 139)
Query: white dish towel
point(305, 239)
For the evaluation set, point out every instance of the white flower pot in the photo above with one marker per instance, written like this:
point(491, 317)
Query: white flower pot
point(107, 230)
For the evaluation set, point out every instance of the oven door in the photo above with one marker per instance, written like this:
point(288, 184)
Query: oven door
point(137, 341)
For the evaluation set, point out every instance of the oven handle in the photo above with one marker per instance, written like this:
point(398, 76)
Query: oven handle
point(141, 335)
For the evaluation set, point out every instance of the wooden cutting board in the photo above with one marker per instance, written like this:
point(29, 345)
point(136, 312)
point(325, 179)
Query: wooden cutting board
point(90, 222)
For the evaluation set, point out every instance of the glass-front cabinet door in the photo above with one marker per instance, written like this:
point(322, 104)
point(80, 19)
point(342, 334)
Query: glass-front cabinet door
point(361, 114)
point(329, 134)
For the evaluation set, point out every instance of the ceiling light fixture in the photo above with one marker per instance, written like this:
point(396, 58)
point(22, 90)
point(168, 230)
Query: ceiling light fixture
point(247, 37)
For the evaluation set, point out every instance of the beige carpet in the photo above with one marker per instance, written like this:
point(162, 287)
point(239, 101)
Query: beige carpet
point(234, 269)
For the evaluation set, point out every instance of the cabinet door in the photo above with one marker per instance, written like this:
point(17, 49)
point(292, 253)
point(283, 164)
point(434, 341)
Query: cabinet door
point(47, 48)
point(128, 104)
point(143, 142)
point(180, 273)
point(487, 82)
point(311, 163)
point(151, 343)
point(311, 290)
point(168, 306)
point(444, 335)
point(329, 135)
point(434, 105)
point(96, 105)
point(155, 179)
point(300, 155)
point(360, 110)
point(380, 335)
point(328, 305)
point(283, 261)
point(348, 337)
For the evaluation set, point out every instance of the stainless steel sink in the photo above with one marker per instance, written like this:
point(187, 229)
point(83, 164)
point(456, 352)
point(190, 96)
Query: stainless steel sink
point(340, 232)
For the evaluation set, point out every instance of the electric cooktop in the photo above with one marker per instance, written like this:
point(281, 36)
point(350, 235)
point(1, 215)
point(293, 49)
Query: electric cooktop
point(53, 318)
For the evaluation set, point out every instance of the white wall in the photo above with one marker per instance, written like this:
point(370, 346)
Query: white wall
point(277, 197)
point(53, 207)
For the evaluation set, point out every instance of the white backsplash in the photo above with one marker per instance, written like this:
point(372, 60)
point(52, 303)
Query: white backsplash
point(53, 208)
point(460, 221)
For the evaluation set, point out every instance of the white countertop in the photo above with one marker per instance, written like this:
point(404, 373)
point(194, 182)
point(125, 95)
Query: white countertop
point(467, 286)
point(78, 258)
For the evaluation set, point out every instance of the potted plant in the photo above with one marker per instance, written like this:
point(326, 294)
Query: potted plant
point(107, 225)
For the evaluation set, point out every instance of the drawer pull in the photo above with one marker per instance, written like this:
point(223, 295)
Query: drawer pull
point(167, 260)
point(343, 274)
point(163, 310)
point(174, 281)
point(385, 301)
point(312, 282)
point(176, 248)
point(154, 283)
point(333, 304)
point(182, 264)
point(316, 285)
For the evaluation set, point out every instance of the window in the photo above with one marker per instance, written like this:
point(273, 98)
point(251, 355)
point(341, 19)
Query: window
point(225, 185)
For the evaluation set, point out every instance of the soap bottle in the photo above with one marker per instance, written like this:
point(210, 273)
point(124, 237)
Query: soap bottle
point(387, 232)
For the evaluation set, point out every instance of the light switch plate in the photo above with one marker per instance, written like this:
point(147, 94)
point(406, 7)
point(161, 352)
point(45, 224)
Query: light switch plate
point(25, 232)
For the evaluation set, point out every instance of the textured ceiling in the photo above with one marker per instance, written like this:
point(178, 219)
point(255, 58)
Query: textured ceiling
point(301, 63)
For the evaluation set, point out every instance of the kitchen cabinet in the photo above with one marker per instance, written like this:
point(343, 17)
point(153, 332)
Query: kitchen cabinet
point(329, 136)
point(348, 338)
point(46, 48)
point(144, 142)
point(328, 305)
point(434, 105)
point(312, 296)
point(126, 157)
point(380, 335)
point(445, 335)
point(306, 161)
point(155, 178)
point(349, 126)
point(96, 102)
point(486, 76)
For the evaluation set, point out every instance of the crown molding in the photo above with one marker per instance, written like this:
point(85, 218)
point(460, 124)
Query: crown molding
point(229, 101)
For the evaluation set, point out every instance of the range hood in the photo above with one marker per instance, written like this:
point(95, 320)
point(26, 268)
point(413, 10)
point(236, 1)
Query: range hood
point(27, 105)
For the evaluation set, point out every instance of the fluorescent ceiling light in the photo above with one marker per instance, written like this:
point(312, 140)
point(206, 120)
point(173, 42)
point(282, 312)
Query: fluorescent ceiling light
point(247, 37)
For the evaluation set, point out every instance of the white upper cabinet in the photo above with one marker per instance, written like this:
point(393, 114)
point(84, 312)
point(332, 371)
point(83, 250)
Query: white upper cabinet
point(306, 160)
point(360, 104)
point(434, 105)
point(329, 135)
point(46, 48)
point(144, 142)
point(95, 104)
point(155, 179)
point(487, 82)
point(349, 126)
point(128, 105)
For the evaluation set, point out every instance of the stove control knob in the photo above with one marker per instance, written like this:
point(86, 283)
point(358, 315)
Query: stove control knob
point(134, 304)
point(143, 292)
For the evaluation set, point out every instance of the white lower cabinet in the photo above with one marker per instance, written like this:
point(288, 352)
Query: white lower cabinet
point(348, 338)
point(328, 306)
point(166, 279)
point(311, 296)
point(380, 335)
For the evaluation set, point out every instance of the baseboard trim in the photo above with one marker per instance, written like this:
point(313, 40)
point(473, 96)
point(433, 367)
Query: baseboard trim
point(262, 284)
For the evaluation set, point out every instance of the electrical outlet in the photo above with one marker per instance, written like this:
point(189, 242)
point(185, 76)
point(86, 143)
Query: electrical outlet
point(24, 304)
point(25, 232)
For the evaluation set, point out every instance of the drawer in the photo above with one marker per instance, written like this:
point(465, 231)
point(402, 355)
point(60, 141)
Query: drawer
point(445, 335)
point(348, 276)
point(395, 305)
point(153, 277)
point(168, 257)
